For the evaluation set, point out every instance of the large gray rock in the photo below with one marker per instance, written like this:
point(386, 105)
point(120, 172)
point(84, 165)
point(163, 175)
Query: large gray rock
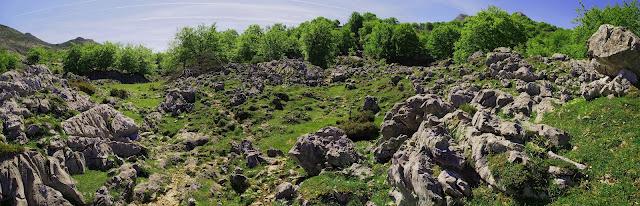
point(371, 104)
point(102, 133)
point(615, 49)
point(32, 179)
point(178, 101)
point(327, 148)
point(453, 184)
point(102, 197)
point(411, 175)
point(404, 119)
point(124, 181)
point(74, 162)
point(103, 122)
point(286, 191)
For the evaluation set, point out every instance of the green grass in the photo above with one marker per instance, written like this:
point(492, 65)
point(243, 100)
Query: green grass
point(606, 136)
point(89, 182)
point(316, 188)
point(9, 149)
point(335, 104)
point(142, 95)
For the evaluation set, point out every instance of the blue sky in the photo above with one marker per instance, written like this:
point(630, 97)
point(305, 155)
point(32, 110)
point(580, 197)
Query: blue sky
point(154, 22)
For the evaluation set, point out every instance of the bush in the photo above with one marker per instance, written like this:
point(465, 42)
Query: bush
point(515, 177)
point(355, 23)
point(83, 86)
point(248, 44)
point(8, 61)
point(468, 108)
point(560, 41)
point(120, 93)
point(104, 55)
point(295, 117)
point(345, 40)
point(10, 149)
point(274, 43)
point(71, 60)
point(228, 39)
point(318, 45)
point(35, 55)
point(379, 43)
point(135, 60)
point(441, 40)
point(489, 29)
point(198, 47)
point(360, 126)
point(85, 58)
point(407, 47)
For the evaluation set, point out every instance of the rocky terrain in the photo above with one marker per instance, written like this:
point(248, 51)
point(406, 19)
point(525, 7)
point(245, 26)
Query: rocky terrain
point(493, 131)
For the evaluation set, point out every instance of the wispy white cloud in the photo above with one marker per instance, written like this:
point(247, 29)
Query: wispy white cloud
point(220, 18)
point(332, 6)
point(61, 6)
point(154, 22)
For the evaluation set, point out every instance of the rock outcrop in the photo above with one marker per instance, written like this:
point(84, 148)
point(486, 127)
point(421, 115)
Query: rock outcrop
point(30, 178)
point(178, 101)
point(439, 162)
point(103, 122)
point(616, 49)
point(404, 119)
point(100, 134)
point(329, 147)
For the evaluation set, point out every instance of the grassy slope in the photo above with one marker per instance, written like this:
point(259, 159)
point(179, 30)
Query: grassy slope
point(606, 137)
point(336, 104)
point(89, 182)
point(146, 96)
point(604, 133)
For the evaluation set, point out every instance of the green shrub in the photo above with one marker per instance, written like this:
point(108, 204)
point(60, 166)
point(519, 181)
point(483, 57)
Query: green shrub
point(83, 86)
point(440, 41)
point(248, 44)
point(625, 14)
point(228, 39)
point(296, 117)
point(9, 149)
point(120, 93)
point(274, 43)
point(360, 126)
point(560, 41)
point(85, 58)
point(198, 47)
point(345, 40)
point(35, 55)
point(104, 55)
point(8, 61)
point(515, 177)
point(489, 29)
point(135, 60)
point(379, 43)
point(318, 45)
point(468, 108)
point(326, 187)
point(355, 23)
point(408, 49)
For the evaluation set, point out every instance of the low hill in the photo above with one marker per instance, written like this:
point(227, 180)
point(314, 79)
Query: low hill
point(14, 40)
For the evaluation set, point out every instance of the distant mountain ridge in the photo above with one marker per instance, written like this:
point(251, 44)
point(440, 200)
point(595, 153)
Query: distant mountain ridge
point(14, 40)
